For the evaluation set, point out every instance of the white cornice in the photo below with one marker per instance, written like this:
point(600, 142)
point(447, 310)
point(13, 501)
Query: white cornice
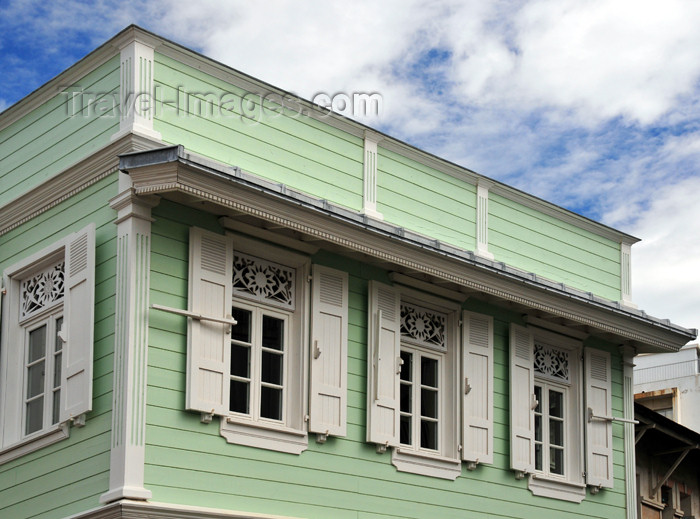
point(69, 182)
point(228, 190)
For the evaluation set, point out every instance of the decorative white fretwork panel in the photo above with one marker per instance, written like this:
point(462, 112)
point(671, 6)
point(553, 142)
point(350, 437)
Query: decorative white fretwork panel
point(551, 362)
point(423, 327)
point(260, 280)
point(43, 290)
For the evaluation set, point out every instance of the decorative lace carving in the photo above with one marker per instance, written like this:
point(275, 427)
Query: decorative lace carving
point(261, 280)
point(42, 290)
point(423, 326)
point(551, 362)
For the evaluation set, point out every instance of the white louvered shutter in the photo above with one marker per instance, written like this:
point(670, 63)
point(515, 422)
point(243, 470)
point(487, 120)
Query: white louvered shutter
point(329, 352)
point(599, 452)
point(477, 409)
point(522, 399)
point(208, 342)
point(78, 324)
point(383, 365)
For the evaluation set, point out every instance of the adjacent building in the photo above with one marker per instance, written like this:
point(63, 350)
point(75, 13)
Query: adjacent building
point(219, 300)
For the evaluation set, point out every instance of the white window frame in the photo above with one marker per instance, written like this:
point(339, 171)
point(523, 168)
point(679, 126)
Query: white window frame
point(290, 433)
point(445, 462)
point(571, 486)
point(76, 354)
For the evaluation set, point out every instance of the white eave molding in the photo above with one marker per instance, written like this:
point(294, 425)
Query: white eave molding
point(172, 169)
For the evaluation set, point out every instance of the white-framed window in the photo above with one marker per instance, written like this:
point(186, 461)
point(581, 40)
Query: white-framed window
point(46, 346)
point(552, 440)
point(414, 397)
point(260, 376)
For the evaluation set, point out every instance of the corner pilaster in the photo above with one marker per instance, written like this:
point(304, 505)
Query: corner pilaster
point(127, 458)
point(626, 275)
point(137, 99)
point(627, 353)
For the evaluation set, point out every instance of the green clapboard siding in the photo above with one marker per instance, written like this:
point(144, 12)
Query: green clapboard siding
point(59, 133)
point(535, 242)
point(425, 200)
point(69, 476)
point(215, 119)
point(189, 463)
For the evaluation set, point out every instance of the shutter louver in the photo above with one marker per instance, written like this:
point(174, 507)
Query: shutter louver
point(329, 353)
point(477, 392)
point(522, 400)
point(599, 452)
point(78, 325)
point(383, 365)
point(208, 344)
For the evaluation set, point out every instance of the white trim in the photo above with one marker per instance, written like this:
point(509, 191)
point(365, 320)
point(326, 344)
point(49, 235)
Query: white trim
point(482, 218)
point(556, 489)
point(626, 275)
point(259, 434)
point(47, 437)
point(627, 355)
point(370, 172)
point(426, 464)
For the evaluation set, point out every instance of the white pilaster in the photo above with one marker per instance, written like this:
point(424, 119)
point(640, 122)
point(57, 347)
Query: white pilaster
point(126, 476)
point(626, 275)
point(136, 90)
point(482, 218)
point(627, 353)
point(369, 201)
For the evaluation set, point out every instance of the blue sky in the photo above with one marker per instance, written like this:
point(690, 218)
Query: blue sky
point(591, 105)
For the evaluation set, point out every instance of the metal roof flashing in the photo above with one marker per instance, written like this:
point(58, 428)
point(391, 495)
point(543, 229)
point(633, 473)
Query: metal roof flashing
point(178, 154)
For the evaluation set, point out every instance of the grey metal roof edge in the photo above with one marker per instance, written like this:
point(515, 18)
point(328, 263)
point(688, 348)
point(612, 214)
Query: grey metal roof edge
point(236, 174)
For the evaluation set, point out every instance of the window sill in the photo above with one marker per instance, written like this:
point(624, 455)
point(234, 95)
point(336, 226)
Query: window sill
point(556, 488)
point(49, 437)
point(426, 464)
point(264, 436)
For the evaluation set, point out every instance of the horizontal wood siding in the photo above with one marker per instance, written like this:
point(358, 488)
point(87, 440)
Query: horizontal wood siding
point(539, 243)
point(288, 148)
point(69, 476)
point(189, 463)
point(426, 200)
point(58, 134)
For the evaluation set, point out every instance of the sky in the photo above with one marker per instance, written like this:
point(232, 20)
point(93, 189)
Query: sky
point(593, 105)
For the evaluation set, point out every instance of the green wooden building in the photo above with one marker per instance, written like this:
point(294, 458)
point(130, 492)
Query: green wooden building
point(219, 300)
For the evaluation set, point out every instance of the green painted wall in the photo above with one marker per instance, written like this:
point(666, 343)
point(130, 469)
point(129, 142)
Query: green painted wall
point(536, 242)
point(287, 147)
point(69, 476)
point(59, 133)
point(426, 200)
point(189, 463)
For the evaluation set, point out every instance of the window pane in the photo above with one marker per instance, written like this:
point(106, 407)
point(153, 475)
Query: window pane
point(56, 406)
point(407, 366)
point(428, 403)
point(538, 428)
point(239, 397)
point(35, 412)
point(35, 379)
point(406, 430)
point(273, 333)
point(556, 461)
point(57, 370)
point(37, 344)
point(556, 404)
point(272, 368)
point(57, 341)
point(538, 397)
point(240, 361)
point(428, 434)
point(556, 432)
point(429, 372)
point(241, 331)
point(406, 403)
point(538, 456)
point(271, 403)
